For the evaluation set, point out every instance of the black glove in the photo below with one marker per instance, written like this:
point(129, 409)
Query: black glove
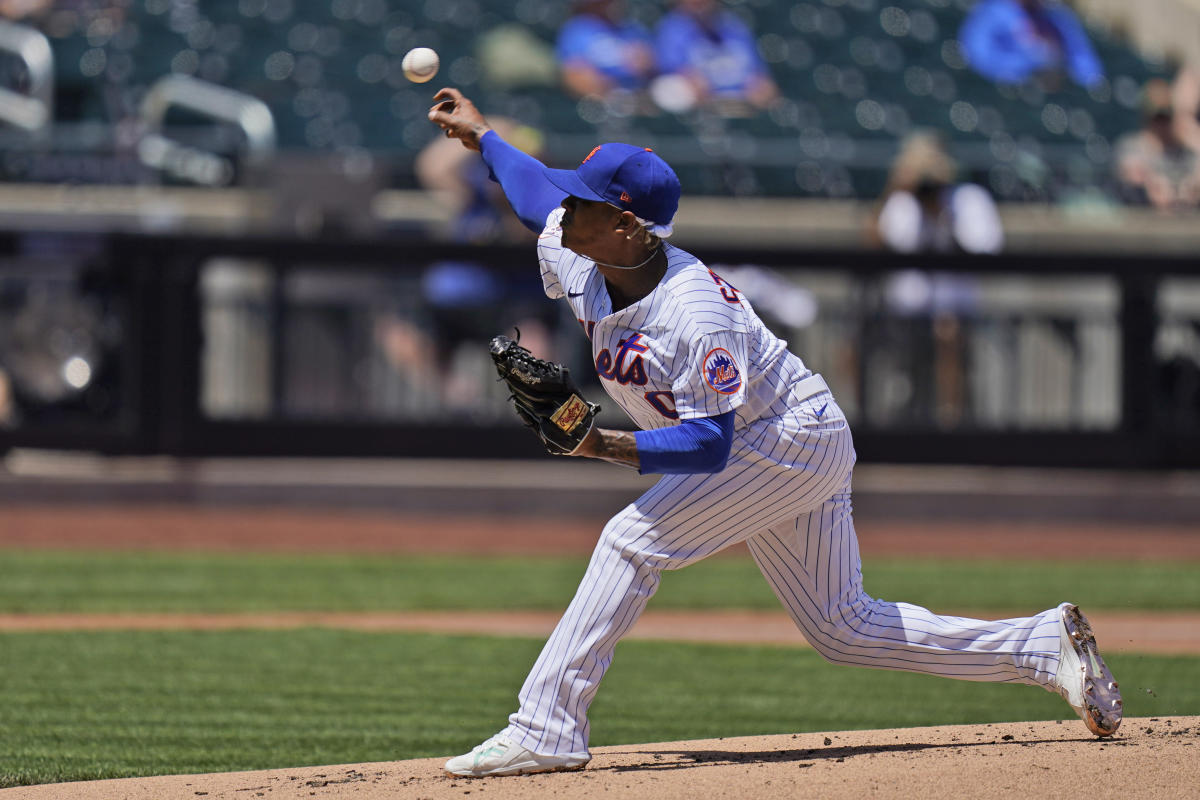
point(546, 398)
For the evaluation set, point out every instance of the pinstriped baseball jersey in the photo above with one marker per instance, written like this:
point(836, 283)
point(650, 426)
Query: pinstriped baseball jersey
point(691, 348)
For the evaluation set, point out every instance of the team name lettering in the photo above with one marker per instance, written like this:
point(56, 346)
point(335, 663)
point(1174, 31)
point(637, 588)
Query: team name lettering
point(621, 368)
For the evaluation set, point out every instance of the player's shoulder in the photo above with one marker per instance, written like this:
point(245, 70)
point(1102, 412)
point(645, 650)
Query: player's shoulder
point(689, 279)
point(682, 266)
point(708, 303)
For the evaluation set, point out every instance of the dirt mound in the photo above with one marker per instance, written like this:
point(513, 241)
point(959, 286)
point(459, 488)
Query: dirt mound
point(1148, 758)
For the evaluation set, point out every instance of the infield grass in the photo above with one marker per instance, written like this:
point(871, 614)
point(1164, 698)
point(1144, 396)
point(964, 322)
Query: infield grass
point(45, 581)
point(112, 704)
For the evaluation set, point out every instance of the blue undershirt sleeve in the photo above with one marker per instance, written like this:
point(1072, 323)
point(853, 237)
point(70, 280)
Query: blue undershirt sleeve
point(521, 177)
point(692, 446)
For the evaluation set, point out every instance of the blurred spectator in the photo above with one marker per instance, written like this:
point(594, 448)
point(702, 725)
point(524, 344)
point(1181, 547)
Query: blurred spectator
point(57, 18)
point(600, 50)
point(460, 183)
point(20, 9)
point(512, 57)
point(464, 303)
point(1012, 41)
point(1185, 99)
point(925, 208)
point(707, 55)
point(8, 412)
point(1155, 165)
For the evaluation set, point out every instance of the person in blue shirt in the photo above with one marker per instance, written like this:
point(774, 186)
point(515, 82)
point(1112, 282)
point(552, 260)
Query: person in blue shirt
point(1011, 41)
point(600, 51)
point(715, 52)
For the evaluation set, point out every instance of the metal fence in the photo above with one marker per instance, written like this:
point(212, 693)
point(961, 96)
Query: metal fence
point(193, 346)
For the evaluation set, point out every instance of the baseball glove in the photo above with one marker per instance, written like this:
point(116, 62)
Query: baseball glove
point(546, 398)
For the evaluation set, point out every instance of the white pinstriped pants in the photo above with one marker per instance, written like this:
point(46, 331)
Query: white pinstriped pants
point(789, 500)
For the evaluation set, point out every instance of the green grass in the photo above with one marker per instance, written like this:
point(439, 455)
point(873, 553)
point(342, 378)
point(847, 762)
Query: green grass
point(43, 581)
point(94, 705)
point(76, 706)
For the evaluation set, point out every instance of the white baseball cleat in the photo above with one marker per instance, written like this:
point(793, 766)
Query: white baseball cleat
point(1083, 680)
point(500, 756)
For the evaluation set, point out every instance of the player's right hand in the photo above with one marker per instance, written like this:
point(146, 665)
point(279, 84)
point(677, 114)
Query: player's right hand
point(458, 117)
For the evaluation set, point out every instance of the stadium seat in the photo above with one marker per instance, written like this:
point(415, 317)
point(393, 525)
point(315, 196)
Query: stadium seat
point(850, 70)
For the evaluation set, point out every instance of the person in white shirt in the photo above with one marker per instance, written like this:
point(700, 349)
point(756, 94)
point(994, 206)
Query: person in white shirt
point(925, 209)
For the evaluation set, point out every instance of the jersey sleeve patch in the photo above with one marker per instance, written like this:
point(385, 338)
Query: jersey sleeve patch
point(720, 371)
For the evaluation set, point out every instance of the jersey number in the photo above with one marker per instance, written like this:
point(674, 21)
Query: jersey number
point(663, 403)
point(727, 291)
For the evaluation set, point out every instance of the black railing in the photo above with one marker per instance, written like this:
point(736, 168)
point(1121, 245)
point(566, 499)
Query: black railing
point(252, 346)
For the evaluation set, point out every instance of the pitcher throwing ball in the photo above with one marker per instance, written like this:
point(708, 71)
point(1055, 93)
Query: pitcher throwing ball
point(752, 448)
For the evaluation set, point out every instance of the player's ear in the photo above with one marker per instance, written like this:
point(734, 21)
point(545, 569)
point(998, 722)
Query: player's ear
point(627, 224)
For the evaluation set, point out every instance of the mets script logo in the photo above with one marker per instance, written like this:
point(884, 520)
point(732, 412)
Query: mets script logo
point(626, 366)
point(720, 371)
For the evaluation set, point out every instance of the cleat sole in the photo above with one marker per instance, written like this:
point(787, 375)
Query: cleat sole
point(1102, 707)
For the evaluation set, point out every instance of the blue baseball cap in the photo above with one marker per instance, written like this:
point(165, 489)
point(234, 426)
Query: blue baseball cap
point(626, 176)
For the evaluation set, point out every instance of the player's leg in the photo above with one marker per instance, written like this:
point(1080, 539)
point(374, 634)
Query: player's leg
point(812, 564)
point(679, 521)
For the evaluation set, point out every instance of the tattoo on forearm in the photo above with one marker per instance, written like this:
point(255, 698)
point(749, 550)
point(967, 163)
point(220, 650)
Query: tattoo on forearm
point(619, 447)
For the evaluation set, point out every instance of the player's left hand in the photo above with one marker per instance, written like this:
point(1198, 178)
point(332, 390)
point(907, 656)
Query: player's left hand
point(545, 397)
point(455, 114)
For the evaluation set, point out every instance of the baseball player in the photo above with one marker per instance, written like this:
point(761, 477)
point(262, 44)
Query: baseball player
point(752, 448)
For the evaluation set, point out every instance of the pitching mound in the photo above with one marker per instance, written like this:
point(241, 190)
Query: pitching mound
point(1149, 758)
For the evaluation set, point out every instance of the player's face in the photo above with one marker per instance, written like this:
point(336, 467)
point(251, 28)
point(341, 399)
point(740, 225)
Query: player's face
point(587, 224)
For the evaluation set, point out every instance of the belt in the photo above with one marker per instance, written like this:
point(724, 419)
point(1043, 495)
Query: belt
point(813, 384)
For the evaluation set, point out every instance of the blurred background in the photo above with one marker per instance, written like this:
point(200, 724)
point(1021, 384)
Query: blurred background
point(227, 229)
point(246, 292)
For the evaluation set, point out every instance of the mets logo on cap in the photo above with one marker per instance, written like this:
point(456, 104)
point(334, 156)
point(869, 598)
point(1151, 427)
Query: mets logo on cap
point(720, 372)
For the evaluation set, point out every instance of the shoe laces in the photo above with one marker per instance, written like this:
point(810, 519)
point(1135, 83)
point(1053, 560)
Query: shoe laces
point(493, 741)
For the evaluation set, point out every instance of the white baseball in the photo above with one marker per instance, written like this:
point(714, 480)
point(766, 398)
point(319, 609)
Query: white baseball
point(420, 64)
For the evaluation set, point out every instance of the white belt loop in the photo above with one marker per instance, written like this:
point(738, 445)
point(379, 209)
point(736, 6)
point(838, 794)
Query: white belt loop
point(813, 384)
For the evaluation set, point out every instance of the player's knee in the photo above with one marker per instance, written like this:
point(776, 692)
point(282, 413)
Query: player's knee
point(621, 537)
point(634, 549)
point(828, 653)
point(636, 541)
point(829, 635)
point(822, 636)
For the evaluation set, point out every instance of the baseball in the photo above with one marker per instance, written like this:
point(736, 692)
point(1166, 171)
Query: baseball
point(420, 64)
